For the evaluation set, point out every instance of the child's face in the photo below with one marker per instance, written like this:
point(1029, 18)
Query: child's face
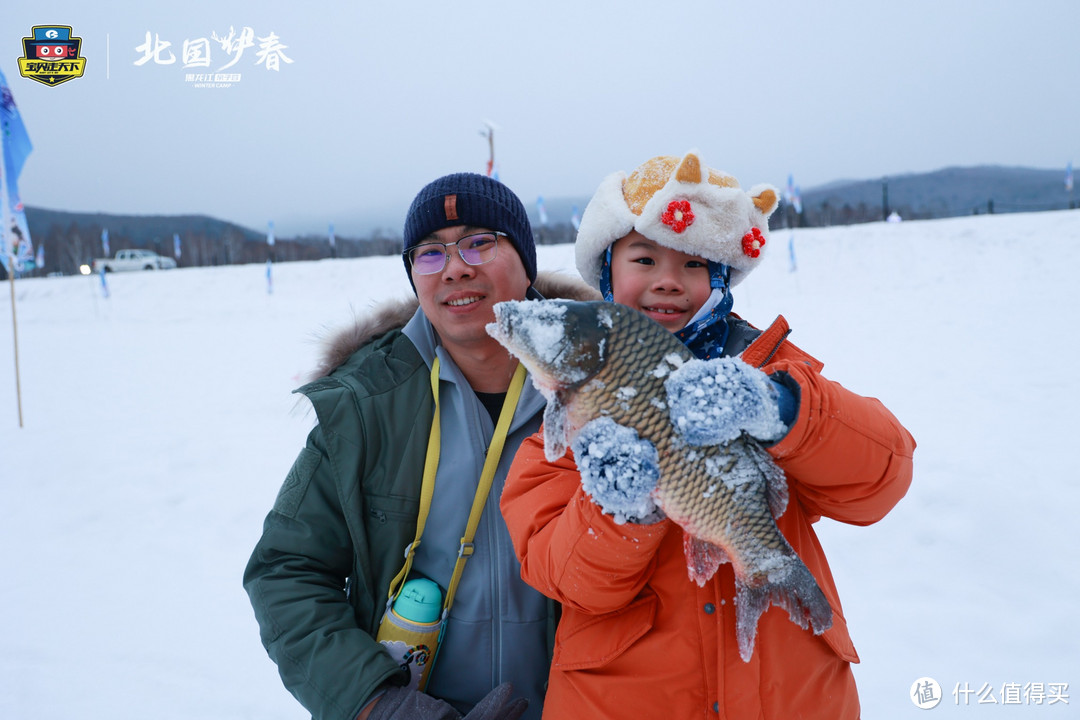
point(667, 285)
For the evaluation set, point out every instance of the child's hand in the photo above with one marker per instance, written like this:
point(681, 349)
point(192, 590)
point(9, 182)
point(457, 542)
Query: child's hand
point(619, 470)
point(712, 402)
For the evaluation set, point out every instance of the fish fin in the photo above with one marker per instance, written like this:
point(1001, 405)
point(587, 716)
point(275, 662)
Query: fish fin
point(555, 417)
point(801, 596)
point(702, 558)
point(776, 486)
point(798, 593)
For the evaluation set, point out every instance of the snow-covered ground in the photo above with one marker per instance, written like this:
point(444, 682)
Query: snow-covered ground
point(159, 425)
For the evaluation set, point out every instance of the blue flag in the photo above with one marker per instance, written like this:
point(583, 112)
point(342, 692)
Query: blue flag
point(16, 148)
point(792, 194)
point(16, 142)
point(1068, 178)
point(541, 210)
point(105, 241)
point(176, 245)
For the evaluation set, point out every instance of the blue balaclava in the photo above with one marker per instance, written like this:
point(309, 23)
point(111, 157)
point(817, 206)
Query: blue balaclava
point(706, 333)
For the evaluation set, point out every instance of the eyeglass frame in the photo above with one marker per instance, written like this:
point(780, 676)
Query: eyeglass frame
point(407, 253)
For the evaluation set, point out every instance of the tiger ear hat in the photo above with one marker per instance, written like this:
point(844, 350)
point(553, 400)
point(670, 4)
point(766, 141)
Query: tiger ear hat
point(683, 205)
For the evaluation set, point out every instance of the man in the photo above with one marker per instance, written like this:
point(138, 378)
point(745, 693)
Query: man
point(320, 575)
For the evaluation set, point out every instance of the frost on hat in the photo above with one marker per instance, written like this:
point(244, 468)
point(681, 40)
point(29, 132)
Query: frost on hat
point(680, 204)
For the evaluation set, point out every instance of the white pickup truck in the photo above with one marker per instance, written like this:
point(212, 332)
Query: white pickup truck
point(134, 260)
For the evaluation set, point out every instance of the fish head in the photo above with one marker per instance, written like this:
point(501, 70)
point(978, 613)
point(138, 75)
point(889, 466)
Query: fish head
point(561, 342)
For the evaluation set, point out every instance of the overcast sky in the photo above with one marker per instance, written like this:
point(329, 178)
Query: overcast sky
point(381, 97)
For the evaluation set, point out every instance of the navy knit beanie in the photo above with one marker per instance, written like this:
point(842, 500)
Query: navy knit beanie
point(475, 200)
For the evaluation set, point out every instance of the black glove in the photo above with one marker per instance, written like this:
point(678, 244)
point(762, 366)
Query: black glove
point(399, 703)
point(494, 706)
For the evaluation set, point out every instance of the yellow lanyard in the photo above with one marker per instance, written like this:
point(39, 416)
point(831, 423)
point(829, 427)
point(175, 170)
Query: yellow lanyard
point(487, 475)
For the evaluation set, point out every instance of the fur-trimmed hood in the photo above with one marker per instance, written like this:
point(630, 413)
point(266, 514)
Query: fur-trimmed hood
point(340, 343)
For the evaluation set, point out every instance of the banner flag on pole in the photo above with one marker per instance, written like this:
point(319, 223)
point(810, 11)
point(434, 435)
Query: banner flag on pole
point(575, 219)
point(176, 245)
point(105, 242)
point(333, 242)
point(16, 249)
point(792, 194)
point(17, 144)
point(16, 148)
point(540, 210)
point(1068, 178)
point(270, 259)
point(40, 260)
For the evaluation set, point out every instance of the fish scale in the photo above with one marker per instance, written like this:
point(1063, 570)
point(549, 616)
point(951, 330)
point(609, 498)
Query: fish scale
point(610, 361)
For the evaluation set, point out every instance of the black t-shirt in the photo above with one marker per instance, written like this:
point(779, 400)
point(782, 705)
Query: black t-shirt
point(493, 403)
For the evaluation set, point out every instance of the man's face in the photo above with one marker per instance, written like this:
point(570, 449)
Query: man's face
point(459, 299)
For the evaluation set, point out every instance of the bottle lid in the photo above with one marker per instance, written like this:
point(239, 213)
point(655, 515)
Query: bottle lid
point(420, 601)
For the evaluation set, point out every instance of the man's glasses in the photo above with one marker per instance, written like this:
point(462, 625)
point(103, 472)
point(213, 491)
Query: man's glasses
point(430, 258)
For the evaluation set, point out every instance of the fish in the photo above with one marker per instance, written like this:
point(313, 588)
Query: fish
point(594, 360)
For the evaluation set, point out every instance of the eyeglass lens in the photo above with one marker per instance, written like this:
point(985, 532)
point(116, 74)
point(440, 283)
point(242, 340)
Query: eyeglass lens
point(474, 249)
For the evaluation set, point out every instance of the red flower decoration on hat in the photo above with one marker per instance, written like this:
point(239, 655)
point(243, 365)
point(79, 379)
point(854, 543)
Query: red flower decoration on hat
point(678, 215)
point(752, 242)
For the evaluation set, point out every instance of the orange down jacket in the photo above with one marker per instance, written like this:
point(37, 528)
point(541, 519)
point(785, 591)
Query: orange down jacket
point(638, 639)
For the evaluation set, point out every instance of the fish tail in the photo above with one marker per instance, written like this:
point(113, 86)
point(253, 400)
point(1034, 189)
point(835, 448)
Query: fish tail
point(798, 593)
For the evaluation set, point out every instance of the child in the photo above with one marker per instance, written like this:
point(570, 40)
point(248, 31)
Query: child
point(637, 638)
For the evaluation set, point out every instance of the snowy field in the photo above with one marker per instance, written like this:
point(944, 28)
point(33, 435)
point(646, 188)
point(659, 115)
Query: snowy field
point(159, 425)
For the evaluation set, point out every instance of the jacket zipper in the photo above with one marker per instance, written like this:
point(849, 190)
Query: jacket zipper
point(776, 349)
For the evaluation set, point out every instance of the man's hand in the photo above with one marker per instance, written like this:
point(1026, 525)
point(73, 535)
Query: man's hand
point(402, 703)
point(497, 705)
point(399, 703)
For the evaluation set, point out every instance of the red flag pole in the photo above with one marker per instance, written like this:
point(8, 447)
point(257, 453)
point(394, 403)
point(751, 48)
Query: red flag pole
point(490, 135)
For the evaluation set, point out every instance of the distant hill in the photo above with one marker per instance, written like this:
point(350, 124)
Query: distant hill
point(140, 230)
point(943, 193)
point(73, 238)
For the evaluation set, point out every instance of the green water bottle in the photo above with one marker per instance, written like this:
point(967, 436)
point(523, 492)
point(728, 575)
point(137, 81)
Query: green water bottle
point(410, 630)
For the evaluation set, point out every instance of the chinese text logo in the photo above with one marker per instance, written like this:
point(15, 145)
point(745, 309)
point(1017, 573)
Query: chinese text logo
point(208, 57)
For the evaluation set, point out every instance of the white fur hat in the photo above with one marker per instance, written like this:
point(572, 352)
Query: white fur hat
point(680, 204)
